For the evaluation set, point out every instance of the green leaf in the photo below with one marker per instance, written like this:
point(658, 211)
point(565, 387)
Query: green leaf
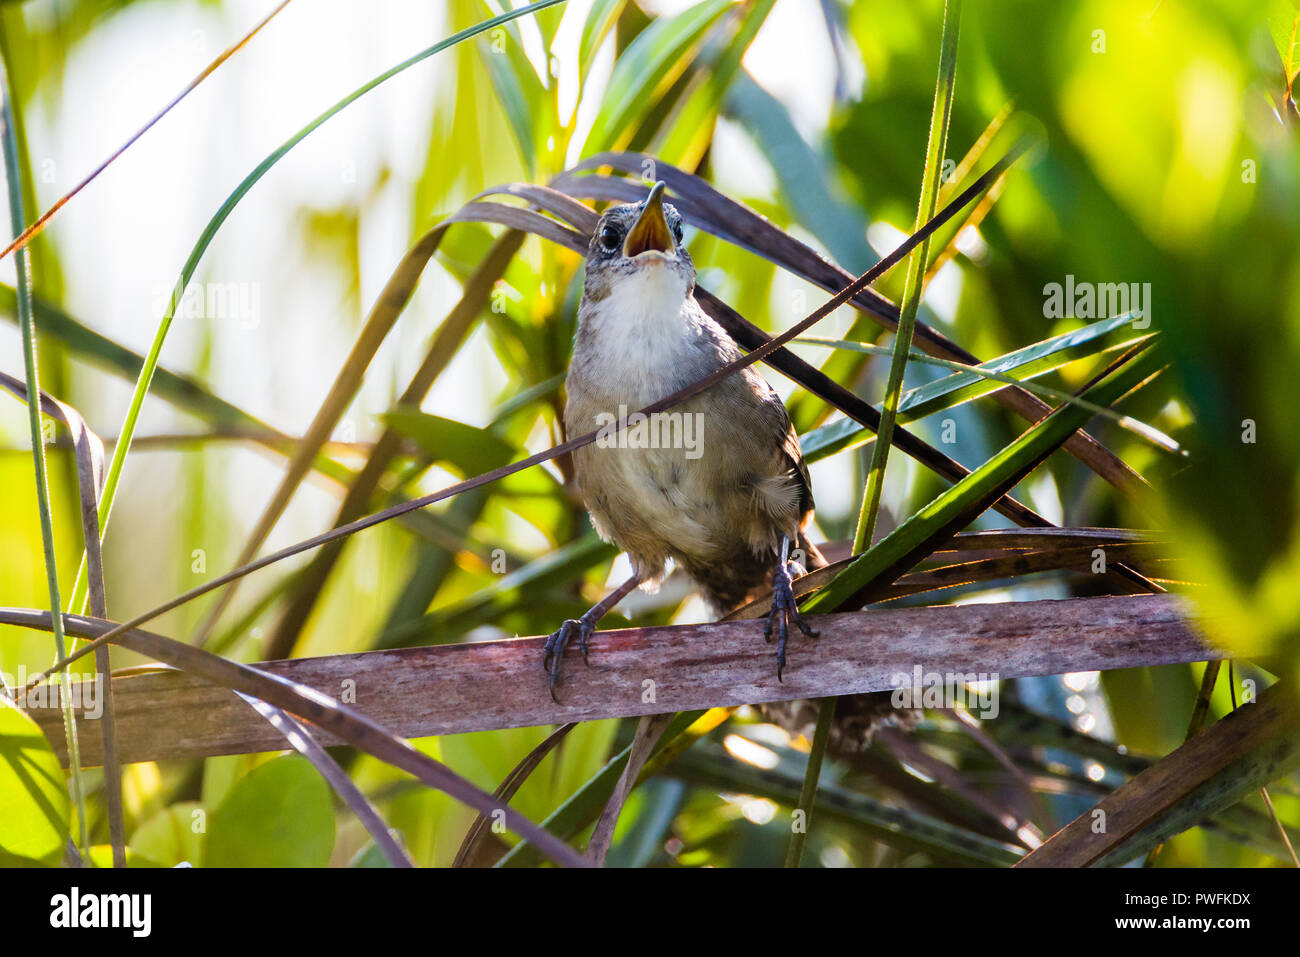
point(16, 176)
point(35, 810)
point(690, 129)
point(518, 87)
point(280, 815)
point(898, 550)
point(470, 450)
point(656, 58)
point(916, 268)
point(992, 382)
point(951, 391)
point(804, 174)
point(169, 837)
point(1284, 25)
point(601, 19)
point(920, 402)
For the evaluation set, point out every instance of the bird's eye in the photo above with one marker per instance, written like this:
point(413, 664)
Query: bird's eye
point(677, 232)
point(609, 238)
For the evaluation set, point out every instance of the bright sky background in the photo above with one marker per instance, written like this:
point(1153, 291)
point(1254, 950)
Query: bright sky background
point(122, 241)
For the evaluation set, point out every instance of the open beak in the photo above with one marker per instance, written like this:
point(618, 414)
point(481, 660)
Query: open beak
point(650, 232)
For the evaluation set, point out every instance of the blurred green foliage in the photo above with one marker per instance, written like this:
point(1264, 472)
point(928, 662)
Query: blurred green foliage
point(1170, 157)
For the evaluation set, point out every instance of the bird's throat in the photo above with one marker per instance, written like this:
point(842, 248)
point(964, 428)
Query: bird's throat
point(640, 334)
point(646, 296)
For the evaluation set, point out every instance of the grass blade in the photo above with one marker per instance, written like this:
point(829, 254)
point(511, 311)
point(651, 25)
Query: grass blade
point(930, 399)
point(15, 179)
point(803, 173)
point(89, 451)
point(934, 155)
point(910, 404)
point(811, 777)
point(650, 64)
point(604, 14)
point(690, 127)
point(913, 539)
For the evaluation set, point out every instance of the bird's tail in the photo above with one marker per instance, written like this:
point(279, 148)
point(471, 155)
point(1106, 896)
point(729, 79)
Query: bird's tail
point(858, 718)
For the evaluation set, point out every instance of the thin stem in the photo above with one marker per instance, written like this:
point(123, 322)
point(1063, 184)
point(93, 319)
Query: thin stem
point(1263, 790)
point(915, 275)
point(808, 794)
point(22, 285)
point(30, 233)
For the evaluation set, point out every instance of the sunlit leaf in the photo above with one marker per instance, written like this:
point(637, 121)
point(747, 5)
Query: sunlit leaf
point(35, 810)
point(279, 815)
point(653, 61)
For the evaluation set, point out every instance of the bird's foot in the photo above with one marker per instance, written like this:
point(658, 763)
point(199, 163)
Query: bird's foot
point(784, 610)
point(558, 641)
point(584, 628)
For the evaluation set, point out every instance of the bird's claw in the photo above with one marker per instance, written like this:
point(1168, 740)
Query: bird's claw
point(558, 641)
point(784, 610)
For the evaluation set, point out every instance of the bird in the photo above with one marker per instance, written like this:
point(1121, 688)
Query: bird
point(733, 508)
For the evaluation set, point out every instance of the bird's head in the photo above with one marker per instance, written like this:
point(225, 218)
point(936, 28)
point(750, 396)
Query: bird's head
point(639, 243)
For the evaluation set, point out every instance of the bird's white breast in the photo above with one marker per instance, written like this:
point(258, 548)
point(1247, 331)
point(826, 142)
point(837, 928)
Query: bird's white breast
point(641, 330)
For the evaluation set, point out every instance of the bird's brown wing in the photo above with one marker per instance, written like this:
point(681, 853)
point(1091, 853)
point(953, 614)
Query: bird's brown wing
point(799, 469)
point(794, 452)
point(813, 558)
point(776, 417)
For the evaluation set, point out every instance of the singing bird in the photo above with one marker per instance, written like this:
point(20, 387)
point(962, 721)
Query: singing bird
point(729, 509)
